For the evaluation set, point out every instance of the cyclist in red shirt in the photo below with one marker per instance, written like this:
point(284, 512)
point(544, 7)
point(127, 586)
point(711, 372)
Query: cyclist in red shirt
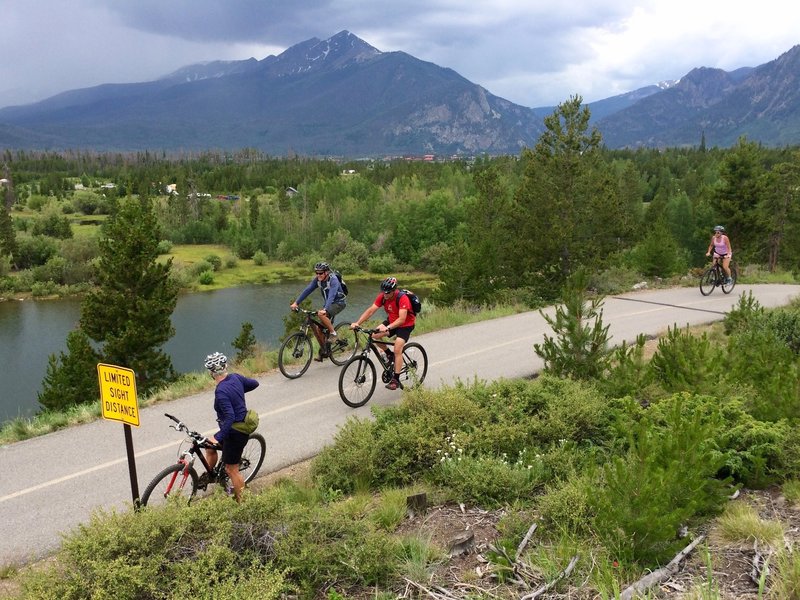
point(399, 322)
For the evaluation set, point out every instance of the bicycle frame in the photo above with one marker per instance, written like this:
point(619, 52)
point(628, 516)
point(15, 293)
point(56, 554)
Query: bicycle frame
point(187, 459)
point(372, 344)
point(309, 322)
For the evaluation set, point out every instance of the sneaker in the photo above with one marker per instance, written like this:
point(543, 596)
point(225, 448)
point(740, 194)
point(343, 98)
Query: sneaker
point(394, 384)
point(728, 281)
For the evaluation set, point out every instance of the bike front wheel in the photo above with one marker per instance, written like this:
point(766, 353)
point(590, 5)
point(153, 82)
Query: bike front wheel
point(176, 483)
point(727, 288)
point(357, 381)
point(708, 281)
point(252, 456)
point(345, 346)
point(295, 355)
point(415, 365)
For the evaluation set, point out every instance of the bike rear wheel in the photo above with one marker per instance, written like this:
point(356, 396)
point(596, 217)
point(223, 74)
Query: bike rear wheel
point(345, 346)
point(252, 456)
point(357, 381)
point(708, 281)
point(415, 365)
point(295, 355)
point(174, 484)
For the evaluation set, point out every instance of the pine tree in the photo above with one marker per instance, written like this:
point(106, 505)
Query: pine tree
point(130, 308)
point(245, 342)
point(72, 376)
point(570, 211)
point(8, 240)
point(579, 349)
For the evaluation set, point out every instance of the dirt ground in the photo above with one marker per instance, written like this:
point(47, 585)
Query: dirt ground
point(469, 574)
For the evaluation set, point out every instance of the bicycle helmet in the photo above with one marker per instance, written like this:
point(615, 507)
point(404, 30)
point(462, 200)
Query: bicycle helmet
point(322, 266)
point(216, 363)
point(719, 228)
point(389, 284)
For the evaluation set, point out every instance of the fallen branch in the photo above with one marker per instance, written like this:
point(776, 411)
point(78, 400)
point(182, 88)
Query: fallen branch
point(430, 593)
point(549, 586)
point(760, 570)
point(661, 574)
point(525, 541)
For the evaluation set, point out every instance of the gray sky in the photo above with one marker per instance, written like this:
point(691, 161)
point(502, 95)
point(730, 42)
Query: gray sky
point(532, 52)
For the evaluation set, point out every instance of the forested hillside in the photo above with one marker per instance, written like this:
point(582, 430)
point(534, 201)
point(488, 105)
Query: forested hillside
point(513, 224)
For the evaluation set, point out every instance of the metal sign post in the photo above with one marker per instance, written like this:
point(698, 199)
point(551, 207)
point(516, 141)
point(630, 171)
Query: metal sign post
point(118, 403)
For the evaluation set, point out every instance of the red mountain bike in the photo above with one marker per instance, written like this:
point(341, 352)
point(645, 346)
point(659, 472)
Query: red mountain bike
point(180, 480)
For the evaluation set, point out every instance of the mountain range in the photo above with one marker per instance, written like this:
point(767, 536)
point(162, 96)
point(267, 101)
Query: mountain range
point(343, 97)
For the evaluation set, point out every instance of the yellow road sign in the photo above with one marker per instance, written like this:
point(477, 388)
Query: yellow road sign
point(118, 394)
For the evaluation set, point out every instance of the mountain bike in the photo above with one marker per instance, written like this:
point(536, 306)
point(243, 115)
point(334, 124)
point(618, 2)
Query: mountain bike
point(297, 350)
point(357, 379)
point(180, 480)
point(715, 276)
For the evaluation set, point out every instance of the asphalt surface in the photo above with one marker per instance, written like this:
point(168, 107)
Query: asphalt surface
point(51, 484)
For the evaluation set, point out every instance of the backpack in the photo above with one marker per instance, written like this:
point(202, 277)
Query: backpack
point(416, 303)
point(341, 281)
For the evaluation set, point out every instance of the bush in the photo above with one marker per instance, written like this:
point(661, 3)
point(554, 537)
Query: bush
point(260, 258)
point(214, 260)
point(666, 479)
point(486, 480)
point(246, 247)
point(54, 270)
point(206, 277)
point(165, 247)
point(382, 263)
point(34, 250)
point(200, 266)
point(54, 224)
point(349, 462)
point(684, 361)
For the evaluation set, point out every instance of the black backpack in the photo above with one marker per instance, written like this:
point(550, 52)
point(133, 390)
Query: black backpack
point(341, 281)
point(416, 303)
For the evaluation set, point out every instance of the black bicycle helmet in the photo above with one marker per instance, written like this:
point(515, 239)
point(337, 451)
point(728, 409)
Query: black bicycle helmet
point(322, 266)
point(216, 363)
point(388, 284)
point(719, 228)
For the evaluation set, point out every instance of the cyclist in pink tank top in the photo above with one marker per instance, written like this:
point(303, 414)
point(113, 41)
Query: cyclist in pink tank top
point(721, 246)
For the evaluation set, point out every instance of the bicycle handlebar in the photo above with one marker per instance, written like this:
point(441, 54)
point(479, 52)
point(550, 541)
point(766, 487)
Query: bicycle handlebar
point(200, 439)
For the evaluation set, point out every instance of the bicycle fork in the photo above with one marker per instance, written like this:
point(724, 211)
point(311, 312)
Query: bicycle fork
point(186, 460)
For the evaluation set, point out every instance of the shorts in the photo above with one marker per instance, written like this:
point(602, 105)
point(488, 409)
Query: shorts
point(233, 446)
point(402, 332)
point(335, 309)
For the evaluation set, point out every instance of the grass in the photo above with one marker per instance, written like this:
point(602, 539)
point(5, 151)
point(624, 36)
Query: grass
point(791, 489)
point(740, 524)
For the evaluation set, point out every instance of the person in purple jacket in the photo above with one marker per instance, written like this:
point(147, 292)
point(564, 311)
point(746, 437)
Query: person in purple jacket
point(230, 407)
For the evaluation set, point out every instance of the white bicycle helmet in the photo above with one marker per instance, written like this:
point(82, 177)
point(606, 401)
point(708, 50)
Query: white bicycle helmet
point(216, 363)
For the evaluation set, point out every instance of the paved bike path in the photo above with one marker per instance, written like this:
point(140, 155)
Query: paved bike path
point(51, 484)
